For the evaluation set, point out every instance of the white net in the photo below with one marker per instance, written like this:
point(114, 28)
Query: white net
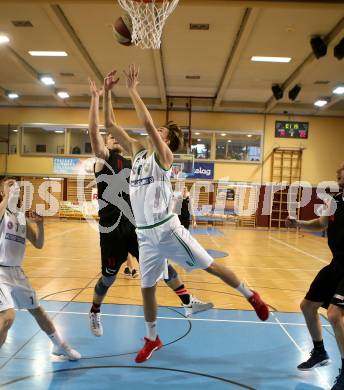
point(148, 19)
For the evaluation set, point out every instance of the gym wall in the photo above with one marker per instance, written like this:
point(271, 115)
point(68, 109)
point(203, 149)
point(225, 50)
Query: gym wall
point(323, 149)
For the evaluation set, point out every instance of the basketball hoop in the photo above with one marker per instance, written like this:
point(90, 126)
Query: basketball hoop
point(148, 19)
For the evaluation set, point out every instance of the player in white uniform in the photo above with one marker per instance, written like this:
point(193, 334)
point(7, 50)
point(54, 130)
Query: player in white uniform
point(159, 231)
point(15, 288)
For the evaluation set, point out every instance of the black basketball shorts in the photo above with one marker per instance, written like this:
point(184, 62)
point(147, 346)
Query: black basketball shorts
point(328, 285)
point(115, 247)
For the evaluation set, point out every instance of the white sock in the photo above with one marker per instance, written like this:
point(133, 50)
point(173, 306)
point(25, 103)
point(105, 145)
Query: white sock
point(245, 291)
point(151, 330)
point(56, 339)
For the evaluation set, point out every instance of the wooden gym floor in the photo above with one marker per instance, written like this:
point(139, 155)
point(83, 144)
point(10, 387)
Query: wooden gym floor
point(279, 264)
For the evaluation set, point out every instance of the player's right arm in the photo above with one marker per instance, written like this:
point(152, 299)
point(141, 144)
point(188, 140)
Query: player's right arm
point(97, 142)
point(317, 224)
point(129, 144)
point(36, 237)
point(161, 149)
point(5, 196)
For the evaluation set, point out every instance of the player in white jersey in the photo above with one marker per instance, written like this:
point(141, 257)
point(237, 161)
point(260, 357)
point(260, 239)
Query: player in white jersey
point(159, 231)
point(15, 288)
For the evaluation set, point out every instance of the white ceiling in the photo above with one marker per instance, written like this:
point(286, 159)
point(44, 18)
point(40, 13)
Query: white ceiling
point(220, 56)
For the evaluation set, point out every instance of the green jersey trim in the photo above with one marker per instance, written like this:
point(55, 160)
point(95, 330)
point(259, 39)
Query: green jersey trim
point(156, 224)
point(158, 162)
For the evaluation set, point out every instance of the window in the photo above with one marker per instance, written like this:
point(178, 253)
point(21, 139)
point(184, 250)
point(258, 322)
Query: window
point(238, 146)
point(201, 145)
point(4, 135)
point(80, 142)
point(8, 139)
point(47, 139)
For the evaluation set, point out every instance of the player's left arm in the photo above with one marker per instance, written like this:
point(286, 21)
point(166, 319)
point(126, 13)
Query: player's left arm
point(35, 236)
point(162, 150)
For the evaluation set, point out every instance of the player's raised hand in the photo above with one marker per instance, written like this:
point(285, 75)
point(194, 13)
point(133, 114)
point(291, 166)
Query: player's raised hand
point(34, 217)
point(132, 76)
point(8, 184)
point(110, 80)
point(95, 92)
point(291, 222)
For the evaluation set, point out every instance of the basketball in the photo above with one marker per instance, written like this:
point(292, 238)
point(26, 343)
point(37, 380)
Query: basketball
point(122, 29)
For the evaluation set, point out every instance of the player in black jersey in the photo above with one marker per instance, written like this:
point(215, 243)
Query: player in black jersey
point(116, 222)
point(327, 289)
point(184, 209)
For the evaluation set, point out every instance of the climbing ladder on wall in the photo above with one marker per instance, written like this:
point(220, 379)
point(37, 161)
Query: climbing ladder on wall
point(285, 169)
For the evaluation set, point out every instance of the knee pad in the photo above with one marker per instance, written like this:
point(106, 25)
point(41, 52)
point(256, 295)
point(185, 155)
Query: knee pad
point(172, 274)
point(103, 284)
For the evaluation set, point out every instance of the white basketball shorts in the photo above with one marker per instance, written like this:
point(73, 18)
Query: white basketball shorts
point(16, 290)
point(169, 240)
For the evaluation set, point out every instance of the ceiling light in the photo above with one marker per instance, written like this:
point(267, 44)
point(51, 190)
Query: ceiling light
point(48, 53)
point(321, 103)
point(229, 140)
point(339, 90)
point(199, 140)
point(4, 38)
point(15, 131)
point(59, 131)
point(270, 59)
point(12, 95)
point(63, 94)
point(47, 80)
point(197, 133)
point(223, 134)
point(249, 135)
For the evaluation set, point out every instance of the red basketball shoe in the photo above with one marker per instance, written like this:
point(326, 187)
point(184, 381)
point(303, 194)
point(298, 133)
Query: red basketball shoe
point(259, 306)
point(146, 352)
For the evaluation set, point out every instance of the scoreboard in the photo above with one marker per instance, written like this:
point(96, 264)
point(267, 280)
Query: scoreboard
point(288, 129)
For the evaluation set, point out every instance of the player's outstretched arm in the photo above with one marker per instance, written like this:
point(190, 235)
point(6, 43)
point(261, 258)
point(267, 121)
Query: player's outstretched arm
point(317, 224)
point(35, 237)
point(5, 195)
point(97, 142)
point(164, 153)
point(128, 143)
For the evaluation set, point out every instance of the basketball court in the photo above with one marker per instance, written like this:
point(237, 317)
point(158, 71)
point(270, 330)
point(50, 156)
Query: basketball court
point(252, 129)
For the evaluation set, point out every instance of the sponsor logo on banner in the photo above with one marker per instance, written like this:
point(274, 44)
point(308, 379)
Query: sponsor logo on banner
point(73, 166)
point(203, 170)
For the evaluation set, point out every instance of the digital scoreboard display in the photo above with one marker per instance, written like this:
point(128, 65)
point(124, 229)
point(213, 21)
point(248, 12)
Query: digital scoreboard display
point(288, 129)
